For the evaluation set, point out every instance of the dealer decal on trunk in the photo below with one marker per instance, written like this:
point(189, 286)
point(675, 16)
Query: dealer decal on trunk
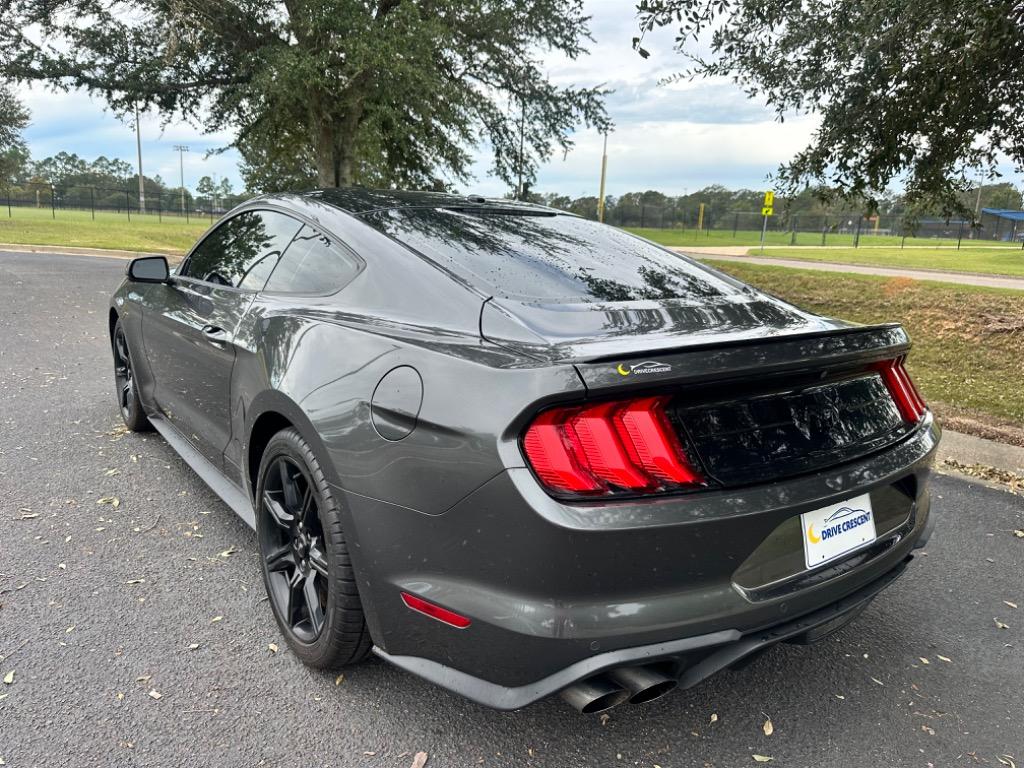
point(639, 369)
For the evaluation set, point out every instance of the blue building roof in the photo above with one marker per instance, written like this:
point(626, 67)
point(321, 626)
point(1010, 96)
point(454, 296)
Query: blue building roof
point(1004, 213)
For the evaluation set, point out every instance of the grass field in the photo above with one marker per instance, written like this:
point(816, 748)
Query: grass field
point(691, 237)
point(967, 341)
point(994, 261)
point(37, 226)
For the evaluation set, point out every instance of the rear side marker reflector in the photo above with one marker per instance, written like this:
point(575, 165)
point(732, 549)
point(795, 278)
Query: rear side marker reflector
point(443, 615)
point(904, 393)
point(625, 446)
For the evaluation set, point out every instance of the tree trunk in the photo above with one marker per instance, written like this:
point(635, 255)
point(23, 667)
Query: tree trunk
point(336, 146)
point(326, 155)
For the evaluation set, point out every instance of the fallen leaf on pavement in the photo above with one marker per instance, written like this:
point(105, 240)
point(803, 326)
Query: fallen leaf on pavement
point(876, 680)
point(419, 760)
point(135, 581)
point(768, 728)
point(155, 694)
point(228, 552)
point(9, 678)
point(762, 758)
point(272, 647)
point(1000, 624)
point(943, 658)
point(1012, 605)
point(1006, 760)
point(1019, 534)
point(924, 660)
point(111, 500)
point(338, 680)
point(215, 619)
point(714, 717)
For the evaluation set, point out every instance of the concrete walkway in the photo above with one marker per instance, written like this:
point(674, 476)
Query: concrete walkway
point(735, 253)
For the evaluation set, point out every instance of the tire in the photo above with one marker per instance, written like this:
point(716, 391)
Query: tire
point(126, 392)
point(306, 566)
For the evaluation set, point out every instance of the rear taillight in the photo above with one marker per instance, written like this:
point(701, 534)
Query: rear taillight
point(904, 393)
point(624, 447)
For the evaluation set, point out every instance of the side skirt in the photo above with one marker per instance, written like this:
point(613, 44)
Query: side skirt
point(229, 493)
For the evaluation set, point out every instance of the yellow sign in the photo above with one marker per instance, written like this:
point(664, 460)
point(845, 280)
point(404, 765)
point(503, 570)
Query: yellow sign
point(767, 211)
point(769, 200)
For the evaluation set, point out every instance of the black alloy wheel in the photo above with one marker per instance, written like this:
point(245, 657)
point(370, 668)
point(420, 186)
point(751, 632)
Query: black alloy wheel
point(305, 561)
point(293, 549)
point(126, 389)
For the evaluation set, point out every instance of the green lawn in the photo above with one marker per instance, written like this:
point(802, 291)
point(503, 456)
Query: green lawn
point(994, 261)
point(37, 226)
point(967, 340)
point(691, 237)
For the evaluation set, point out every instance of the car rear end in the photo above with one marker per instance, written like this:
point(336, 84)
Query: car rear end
point(728, 474)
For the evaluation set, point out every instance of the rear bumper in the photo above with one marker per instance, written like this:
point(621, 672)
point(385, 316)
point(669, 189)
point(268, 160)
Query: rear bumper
point(559, 592)
point(691, 659)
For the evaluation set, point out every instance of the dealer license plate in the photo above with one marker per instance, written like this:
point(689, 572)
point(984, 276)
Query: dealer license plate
point(832, 531)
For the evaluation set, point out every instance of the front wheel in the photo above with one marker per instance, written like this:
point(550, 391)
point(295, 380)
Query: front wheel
point(126, 387)
point(306, 566)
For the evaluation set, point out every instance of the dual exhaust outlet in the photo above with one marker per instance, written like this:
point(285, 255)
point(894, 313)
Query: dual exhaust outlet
point(637, 685)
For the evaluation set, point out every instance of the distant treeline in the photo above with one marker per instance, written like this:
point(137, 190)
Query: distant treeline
point(107, 183)
point(656, 209)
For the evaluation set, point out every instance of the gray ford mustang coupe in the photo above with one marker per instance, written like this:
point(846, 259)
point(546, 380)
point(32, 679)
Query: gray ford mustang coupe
point(519, 453)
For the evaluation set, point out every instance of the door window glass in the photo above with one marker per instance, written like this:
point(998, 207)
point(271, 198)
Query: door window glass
point(243, 250)
point(312, 264)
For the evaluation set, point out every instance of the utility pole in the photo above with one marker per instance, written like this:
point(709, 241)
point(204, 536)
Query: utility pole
point(181, 149)
point(138, 146)
point(604, 171)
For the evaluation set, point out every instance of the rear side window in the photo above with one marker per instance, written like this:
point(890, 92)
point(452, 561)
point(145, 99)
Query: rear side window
point(312, 264)
point(548, 258)
point(243, 251)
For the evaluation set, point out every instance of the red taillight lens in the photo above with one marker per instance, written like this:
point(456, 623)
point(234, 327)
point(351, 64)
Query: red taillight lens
point(608, 448)
point(904, 393)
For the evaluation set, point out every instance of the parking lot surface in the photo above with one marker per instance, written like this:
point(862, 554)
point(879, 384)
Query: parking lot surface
point(134, 629)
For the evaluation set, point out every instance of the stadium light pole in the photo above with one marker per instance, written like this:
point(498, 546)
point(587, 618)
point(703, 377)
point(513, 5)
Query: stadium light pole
point(138, 147)
point(181, 149)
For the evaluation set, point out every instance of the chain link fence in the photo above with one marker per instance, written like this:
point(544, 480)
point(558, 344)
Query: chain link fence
point(126, 201)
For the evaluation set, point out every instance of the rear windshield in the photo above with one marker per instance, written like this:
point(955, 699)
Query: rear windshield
point(548, 258)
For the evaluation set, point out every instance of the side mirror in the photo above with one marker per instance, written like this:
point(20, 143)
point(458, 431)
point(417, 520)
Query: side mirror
point(148, 269)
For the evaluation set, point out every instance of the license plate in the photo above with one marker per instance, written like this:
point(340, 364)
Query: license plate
point(831, 532)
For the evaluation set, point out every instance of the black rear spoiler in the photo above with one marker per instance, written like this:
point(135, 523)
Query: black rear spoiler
point(737, 359)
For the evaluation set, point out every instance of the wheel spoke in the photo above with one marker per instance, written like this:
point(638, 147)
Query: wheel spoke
point(281, 558)
point(316, 613)
point(125, 394)
point(317, 558)
point(278, 513)
point(307, 503)
point(291, 497)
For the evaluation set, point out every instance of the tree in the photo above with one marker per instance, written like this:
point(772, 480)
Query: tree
point(13, 153)
point(391, 91)
point(924, 92)
point(205, 187)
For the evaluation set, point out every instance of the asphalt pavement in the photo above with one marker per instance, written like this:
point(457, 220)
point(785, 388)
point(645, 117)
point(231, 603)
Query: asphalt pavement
point(134, 629)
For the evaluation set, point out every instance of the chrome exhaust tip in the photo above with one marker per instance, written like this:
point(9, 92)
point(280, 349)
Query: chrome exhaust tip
point(644, 684)
point(595, 694)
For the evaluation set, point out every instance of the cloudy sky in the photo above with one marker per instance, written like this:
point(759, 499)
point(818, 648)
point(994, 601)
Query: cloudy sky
point(673, 138)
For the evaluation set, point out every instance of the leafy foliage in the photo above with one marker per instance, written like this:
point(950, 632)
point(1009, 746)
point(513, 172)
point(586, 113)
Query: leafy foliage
point(925, 92)
point(13, 119)
point(382, 91)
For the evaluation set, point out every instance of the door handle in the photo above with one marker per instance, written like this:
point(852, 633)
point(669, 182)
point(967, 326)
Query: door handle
point(215, 335)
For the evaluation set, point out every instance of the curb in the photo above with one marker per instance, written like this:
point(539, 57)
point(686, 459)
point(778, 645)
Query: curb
point(75, 251)
point(961, 455)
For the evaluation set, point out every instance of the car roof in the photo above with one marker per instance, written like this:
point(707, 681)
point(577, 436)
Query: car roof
point(359, 200)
